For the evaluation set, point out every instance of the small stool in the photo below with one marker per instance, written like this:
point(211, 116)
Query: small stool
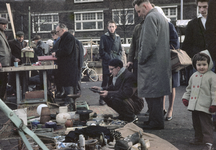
point(74, 97)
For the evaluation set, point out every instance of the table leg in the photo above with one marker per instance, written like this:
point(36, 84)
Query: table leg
point(18, 90)
point(45, 85)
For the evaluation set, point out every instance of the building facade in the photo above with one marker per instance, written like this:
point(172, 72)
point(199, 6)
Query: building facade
point(87, 17)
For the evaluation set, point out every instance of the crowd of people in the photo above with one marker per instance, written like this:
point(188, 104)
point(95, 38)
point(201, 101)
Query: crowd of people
point(151, 78)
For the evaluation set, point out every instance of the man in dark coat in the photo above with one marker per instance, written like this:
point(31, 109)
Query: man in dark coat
point(121, 94)
point(110, 48)
point(16, 46)
point(66, 60)
point(211, 29)
point(195, 40)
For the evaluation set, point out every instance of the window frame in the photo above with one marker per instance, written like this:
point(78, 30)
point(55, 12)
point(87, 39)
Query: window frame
point(53, 23)
point(87, 1)
point(119, 14)
point(171, 16)
point(83, 21)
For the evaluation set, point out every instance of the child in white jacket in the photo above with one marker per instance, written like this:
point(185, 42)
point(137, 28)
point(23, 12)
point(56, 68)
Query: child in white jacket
point(200, 98)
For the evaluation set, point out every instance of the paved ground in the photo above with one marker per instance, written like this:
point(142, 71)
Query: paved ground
point(177, 131)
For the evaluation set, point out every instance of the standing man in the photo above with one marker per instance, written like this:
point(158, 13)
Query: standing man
point(80, 60)
point(66, 60)
point(154, 68)
point(5, 56)
point(211, 29)
point(134, 48)
point(16, 46)
point(195, 41)
point(110, 48)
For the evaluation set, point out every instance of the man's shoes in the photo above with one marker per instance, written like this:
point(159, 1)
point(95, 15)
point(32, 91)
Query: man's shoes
point(101, 102)
point(148, 127)
point(146, 122)
point(196, 142)
point(208, 147)
point(60, 94)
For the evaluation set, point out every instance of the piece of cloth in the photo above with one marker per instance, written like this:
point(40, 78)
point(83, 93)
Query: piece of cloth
point(154, 65)
point(201, 89)
point(203, 126)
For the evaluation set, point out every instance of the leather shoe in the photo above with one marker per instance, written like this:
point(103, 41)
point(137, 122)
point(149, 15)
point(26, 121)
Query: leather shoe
point(101, 102)
point(148, 127)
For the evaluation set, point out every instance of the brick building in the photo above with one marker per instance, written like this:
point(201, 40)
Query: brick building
point(87, 17)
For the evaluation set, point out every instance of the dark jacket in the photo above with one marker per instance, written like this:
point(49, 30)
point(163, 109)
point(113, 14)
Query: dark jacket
point(125, 88)
point(66, 60)
point(134, 47)
point(16, 48)
point(174, 41)
point(109, 49)
point(41, 48)
point(194, 41)
point(211, 29)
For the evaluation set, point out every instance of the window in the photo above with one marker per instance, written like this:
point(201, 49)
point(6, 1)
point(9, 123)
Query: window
point(86, 1)
point(170, 12)
point(5, 15)
point(43, 23)
point(123, 16)
point(89, 21)
point(128, 40)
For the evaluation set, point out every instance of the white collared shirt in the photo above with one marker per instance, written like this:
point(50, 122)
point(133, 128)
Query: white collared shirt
point(203, 20)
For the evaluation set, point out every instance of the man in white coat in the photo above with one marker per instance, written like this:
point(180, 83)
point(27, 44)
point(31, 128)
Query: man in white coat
point(154, 70)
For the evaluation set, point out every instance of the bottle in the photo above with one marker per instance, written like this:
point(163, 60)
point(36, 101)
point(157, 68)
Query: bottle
point(81, 142)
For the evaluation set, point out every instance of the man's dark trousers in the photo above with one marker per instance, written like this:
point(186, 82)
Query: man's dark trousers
point(156, 115)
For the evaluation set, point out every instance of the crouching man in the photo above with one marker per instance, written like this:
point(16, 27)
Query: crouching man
point(121, 93)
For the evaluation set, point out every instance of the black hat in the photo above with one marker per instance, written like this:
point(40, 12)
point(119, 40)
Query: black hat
point(116, 63)
point(19, 33)
point(37, 37)
point(3, 20)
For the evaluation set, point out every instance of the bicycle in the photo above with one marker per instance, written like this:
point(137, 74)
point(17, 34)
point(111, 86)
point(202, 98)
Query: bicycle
point(91, 73)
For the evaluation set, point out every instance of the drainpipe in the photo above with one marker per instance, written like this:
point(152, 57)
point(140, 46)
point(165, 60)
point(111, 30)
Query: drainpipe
point(181, 9)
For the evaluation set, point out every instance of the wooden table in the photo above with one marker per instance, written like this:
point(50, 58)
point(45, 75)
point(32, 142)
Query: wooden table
point(21, 68)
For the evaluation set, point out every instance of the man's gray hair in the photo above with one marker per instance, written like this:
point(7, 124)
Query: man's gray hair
point(138, 2)
point(63, 26)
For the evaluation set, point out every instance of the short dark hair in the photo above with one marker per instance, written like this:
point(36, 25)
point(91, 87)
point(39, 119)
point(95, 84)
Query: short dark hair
point(200, 57)
point(116, 63)
point(53, 32)
point(138, 2)
point(111, 21)
point(202, 1)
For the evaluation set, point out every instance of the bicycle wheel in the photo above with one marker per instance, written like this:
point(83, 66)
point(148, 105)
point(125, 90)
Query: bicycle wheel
point(92, 74)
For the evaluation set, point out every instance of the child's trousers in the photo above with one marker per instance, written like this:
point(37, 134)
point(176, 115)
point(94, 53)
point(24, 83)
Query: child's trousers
point(203, 126)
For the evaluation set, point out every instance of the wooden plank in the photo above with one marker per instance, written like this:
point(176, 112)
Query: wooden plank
point(27, 68)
